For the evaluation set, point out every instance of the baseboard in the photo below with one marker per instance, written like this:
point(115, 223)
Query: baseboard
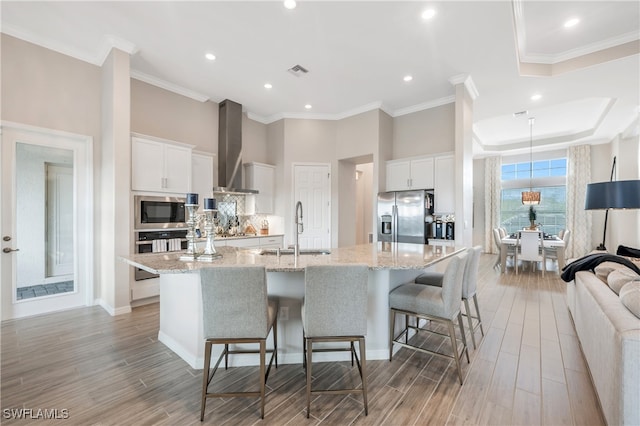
point(111, 310)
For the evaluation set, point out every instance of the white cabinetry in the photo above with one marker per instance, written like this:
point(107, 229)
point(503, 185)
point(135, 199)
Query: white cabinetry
point(202, 176)
point(416, 173)
point(271, 242)
point(262, 178)
point(159, 166)
point(244, 242)
point(444, 185)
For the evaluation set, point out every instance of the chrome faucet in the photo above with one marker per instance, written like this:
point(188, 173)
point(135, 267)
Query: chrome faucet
point(299, 228)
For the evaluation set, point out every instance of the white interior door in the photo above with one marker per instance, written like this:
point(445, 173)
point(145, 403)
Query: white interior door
point(47, 256)
point(312, 187)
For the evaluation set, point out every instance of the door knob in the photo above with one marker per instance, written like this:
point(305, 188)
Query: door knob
point(6, 238)
point(9, 250)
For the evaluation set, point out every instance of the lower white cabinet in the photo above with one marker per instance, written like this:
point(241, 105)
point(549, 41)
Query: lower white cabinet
point(244, 242)
point(145, 288)
point(271, 242)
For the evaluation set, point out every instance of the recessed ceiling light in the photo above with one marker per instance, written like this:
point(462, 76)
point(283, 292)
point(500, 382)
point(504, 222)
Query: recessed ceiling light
point(308, 106)
point(536, 96)
point(407, 78)
point(210, 56)
point(428, 13)
point(268, 86)
point(571, 22)
point(290, 4)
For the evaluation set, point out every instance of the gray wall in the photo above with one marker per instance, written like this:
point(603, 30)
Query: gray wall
point(167, 115)
point(426, 132)
point(44, 88)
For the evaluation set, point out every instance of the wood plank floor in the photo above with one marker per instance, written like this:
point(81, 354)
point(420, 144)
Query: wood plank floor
point(528, 369)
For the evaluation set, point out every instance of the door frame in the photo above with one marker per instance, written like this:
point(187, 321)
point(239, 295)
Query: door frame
point(82, 147)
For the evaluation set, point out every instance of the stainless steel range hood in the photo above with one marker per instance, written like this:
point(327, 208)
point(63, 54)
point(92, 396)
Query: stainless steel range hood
point(230, 150)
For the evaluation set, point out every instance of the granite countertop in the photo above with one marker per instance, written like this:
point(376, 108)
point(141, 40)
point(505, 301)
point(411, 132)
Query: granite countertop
point(376, 255)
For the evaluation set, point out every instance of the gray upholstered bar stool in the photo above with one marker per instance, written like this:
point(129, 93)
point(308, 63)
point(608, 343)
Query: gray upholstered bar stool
point(438, 304)
point(335, 310)
point(236, 310)
point(469, 288)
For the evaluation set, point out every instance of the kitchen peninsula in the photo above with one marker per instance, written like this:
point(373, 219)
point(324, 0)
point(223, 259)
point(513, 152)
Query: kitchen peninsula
point(390, 264)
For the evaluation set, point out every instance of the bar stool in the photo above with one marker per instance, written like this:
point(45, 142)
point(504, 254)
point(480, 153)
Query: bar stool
point(335, 310)
point(236, 310)
point(469, 287)
point(435, 303)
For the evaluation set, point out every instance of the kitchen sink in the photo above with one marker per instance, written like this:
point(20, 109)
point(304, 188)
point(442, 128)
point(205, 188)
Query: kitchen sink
point(290, 251)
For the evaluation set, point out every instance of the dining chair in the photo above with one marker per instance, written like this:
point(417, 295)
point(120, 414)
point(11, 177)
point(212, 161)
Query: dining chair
point(530, 247)
point(440, 304)
point(552, 252)
point(498, 235)
point(237, 310)
point(334, 309)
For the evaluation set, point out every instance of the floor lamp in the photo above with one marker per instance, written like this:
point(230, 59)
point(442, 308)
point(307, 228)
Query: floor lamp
point(621, 194)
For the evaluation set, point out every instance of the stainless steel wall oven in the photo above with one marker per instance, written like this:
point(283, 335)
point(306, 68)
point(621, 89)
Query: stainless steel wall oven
point(145, 244)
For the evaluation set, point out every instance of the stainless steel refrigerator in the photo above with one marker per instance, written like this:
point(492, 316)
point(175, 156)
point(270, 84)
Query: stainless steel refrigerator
point(405, 216)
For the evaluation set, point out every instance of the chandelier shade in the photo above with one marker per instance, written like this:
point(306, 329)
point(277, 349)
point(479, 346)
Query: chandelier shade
point(530, 198)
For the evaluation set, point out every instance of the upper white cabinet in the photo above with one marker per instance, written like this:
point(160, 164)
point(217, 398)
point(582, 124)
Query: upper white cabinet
point(444, 188)
point(260, 177)
point(202, 176)
point(159, 166)
point(416, 173)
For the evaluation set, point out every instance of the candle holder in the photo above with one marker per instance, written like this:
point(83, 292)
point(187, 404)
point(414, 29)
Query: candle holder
point(191, 253)
point(210, 253)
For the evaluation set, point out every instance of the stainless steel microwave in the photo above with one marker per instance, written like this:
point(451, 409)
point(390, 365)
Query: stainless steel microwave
point(159, 212)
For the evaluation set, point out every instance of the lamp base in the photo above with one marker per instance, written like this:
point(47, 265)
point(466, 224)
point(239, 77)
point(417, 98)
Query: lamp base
point(601, 247)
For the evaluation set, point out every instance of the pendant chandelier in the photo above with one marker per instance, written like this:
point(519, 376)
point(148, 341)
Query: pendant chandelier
point(531, 197)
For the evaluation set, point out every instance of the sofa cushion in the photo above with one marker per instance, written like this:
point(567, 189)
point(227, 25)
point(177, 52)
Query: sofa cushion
point(630, 297)
point(618, 278)
point(605, 268)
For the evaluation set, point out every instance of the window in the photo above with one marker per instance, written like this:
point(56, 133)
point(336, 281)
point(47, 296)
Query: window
point(548, 177)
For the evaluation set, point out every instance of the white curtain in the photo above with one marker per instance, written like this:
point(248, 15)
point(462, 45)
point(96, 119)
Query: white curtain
point(492, 188)
point(578, 219)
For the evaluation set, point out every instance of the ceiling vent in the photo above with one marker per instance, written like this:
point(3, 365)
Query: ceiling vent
point(298, 70)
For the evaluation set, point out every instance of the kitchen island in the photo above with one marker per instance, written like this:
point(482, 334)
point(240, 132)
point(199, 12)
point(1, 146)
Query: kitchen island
point(390, 264)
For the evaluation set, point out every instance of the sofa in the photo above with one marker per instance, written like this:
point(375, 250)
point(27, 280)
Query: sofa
point(609, 334)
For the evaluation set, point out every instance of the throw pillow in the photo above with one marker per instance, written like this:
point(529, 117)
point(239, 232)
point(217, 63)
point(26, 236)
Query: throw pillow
point(620, 277)
point(628, 251)
point(630, 297)
point(605, 268)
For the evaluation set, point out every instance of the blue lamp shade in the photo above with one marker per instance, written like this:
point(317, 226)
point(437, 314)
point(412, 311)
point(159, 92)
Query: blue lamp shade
point(620, 194)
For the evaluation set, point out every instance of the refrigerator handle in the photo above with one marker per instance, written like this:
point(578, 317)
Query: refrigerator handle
point(394, 224)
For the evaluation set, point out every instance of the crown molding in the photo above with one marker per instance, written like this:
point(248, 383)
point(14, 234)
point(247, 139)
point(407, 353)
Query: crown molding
point(581, 51)
point(468, 83)
point(350, 113)
point(425, 105)
point(138, 75)
point(49, 44)
point(110, 42)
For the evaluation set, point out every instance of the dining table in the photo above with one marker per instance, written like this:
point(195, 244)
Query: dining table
point(548, 242)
